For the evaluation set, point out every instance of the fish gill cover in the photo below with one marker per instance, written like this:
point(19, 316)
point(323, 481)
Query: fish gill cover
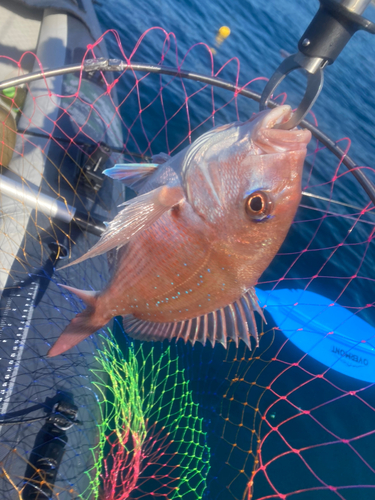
point(273, 422)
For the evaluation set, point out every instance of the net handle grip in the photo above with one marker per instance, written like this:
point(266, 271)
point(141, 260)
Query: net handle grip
point(332, 27)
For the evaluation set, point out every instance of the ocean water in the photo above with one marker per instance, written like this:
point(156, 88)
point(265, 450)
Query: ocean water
point(339, 261)
point(259, 30)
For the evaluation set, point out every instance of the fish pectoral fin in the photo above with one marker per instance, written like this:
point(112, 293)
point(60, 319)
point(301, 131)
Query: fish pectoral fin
point(139, 214)
point(134, 175)
point(130, 173)
point(235, 321)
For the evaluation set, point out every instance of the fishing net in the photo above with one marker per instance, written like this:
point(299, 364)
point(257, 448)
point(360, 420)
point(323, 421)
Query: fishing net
point(152, 440)
point(291, 419)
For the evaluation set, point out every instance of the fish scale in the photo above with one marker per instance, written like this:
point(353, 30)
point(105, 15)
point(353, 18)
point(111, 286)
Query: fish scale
point(167, 261)
point(192, 244)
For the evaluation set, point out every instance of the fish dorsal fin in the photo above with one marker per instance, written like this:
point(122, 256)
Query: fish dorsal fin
point(139, 214)
point(236, 321)
point(88, 296)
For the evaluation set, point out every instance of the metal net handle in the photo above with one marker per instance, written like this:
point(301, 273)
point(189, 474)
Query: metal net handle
point(102, 64)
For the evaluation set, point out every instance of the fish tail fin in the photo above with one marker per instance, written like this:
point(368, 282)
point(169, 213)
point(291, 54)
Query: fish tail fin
point(82, 326)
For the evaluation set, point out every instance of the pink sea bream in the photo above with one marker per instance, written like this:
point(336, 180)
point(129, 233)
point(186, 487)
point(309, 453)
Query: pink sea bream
point(191, 246)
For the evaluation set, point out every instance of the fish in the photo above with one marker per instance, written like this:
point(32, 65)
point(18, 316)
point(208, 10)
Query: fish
point(189, 248)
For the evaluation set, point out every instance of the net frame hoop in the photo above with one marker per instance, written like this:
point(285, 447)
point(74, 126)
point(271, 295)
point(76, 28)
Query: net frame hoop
point(102, 64)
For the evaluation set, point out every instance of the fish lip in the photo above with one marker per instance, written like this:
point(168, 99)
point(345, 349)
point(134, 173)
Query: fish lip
point(270, 117)
point(276, 116)
point(269, 138)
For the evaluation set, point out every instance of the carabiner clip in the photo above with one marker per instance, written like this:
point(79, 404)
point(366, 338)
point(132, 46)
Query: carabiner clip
point(330, 30)
point(314, 86)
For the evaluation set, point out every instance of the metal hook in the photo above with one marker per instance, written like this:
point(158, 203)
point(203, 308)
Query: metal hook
point(314, 86)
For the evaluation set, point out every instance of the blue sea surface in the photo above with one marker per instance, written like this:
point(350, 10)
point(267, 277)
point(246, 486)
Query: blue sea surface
point(258, 31)
point(344, 109)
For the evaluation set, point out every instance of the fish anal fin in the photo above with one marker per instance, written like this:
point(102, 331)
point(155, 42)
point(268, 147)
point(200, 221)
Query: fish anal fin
point(251, 322)
point(221, 331)
point(139, 214)
point(236, 321)
point(245, 332)
point(251, 294)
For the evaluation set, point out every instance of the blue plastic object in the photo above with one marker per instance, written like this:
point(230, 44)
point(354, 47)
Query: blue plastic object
point(324, 330)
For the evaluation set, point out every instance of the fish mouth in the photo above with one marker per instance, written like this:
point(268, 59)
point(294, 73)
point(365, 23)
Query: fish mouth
point(271, 139)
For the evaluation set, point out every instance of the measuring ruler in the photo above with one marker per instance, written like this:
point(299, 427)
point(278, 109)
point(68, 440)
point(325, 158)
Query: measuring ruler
point(14, 328)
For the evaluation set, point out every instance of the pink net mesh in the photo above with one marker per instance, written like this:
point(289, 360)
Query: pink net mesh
point(292, 419)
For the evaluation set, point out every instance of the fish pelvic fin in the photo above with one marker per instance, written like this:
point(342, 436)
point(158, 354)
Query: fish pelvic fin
point(82, 326)
point(139, 214)
point(236, 321)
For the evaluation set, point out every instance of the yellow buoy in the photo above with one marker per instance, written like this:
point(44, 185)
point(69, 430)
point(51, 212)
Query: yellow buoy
point(221, 35)
point(224, 32)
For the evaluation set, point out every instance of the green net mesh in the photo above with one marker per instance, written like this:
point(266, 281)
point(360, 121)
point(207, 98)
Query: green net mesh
point(151, 437)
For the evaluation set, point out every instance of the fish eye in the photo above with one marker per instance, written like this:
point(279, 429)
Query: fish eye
point(258, 205)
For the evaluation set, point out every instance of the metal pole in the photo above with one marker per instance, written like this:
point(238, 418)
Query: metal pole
point(357, 6)
point(55, 209)
point(33, 198)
